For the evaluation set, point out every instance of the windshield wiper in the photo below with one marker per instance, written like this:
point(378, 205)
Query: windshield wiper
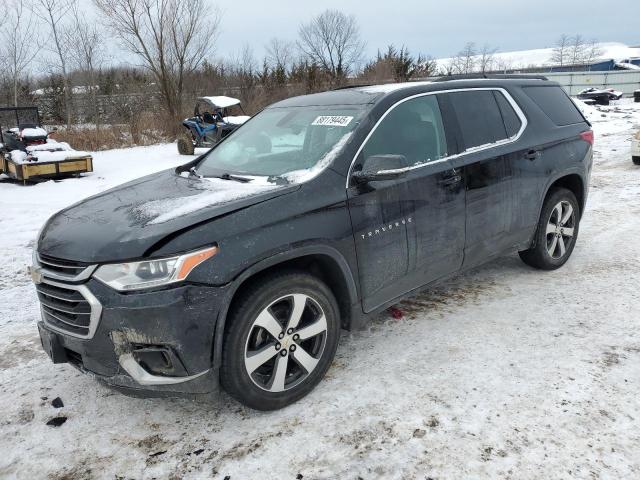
point(236, 178)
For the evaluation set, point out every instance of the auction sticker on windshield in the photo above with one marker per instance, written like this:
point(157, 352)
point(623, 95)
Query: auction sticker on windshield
point(332, 121)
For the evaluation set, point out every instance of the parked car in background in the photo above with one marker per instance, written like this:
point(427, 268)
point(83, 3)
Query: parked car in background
point(599, 96)
point(635, 148)
point(241, 267)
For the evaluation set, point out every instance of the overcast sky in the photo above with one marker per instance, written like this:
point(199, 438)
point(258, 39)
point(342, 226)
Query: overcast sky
point(436, 28)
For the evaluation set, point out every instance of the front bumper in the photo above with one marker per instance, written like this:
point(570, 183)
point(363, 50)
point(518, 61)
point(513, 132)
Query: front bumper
point(635, 148)
point(146, 342)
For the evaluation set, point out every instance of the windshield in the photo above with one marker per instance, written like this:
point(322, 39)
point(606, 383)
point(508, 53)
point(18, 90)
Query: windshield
point(284, 142)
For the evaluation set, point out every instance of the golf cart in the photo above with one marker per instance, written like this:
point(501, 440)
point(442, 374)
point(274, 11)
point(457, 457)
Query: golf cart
point(213, 119)
point(27, 152)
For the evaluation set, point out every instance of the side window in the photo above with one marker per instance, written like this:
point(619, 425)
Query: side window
point(413, 129)
point(479, 117)
point(511, 120)
point(555, 104)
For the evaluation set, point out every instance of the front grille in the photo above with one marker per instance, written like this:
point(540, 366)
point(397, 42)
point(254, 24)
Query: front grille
point(70, 309)
point(62, 267)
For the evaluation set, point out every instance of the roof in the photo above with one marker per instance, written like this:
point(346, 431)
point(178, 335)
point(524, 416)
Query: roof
point(221, 101)
point(370, 94)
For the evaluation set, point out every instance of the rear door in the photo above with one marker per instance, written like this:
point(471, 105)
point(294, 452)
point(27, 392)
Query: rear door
point(491, 197)
point(408, 231)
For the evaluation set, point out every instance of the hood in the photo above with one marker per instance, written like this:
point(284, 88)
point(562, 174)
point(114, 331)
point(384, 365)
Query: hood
point(126, 221)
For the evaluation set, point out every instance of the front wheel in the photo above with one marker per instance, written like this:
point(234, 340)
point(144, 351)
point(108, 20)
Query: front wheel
point(280, 340)
point(636, 160)
point(557, 231)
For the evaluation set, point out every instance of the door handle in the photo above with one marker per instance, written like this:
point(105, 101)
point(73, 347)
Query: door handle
point(532, 155)
point(450, 178)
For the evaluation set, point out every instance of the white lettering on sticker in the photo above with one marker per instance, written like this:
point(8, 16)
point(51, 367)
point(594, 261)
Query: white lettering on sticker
point(333, 121)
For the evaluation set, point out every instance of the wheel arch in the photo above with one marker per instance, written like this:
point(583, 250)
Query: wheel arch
point(573, 182)
point(322, 261)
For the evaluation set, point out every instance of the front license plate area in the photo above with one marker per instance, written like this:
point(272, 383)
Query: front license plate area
point(52, 346)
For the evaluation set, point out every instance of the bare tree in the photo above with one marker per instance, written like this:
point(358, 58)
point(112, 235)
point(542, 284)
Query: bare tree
point(280, 53)
point(54, 13)
point(332, 40)
point(88, 54)
point(486, 58)
point(592, 51)
point(560, 54)
point(20, 44)
point(465, 61)
point(577, 50)
point(171, 38)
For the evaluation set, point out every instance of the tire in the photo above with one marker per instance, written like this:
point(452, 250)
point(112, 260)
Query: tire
point(251, 329)
point(552, 247)
point(636, 160)
point(185, 145)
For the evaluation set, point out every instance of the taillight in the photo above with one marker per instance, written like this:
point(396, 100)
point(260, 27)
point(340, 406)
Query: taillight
point(587, 136)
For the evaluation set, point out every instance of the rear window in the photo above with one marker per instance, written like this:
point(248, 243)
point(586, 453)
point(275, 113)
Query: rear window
point(555, 104)
point(479, 117)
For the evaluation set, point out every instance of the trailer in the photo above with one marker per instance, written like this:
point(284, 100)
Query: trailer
point(28, 154)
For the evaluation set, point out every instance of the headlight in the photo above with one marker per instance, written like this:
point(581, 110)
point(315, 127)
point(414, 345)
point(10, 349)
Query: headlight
point(152, 273)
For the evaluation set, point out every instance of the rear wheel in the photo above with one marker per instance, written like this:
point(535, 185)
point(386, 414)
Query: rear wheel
point(281, 338)
point(636, 160)
point(185, 145)
point(557, 231)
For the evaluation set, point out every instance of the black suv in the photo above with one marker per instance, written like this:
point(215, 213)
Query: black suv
point(241, 267)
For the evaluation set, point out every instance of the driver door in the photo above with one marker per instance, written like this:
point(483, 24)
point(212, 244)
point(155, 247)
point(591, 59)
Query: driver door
point(411, 230)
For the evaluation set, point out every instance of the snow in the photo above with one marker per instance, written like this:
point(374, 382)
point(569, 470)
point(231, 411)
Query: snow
point(236, 120)
point(628, 66)
point(18, 157)
point(503, 372)
point(222, 101)
point(304, 175)
point(212, 191)
point(391, 87)
point(542, 56)
point(33, 132)
point(52, 151)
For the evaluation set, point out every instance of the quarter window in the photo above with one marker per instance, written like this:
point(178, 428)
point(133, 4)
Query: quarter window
point(555, 103)
point(413, 129)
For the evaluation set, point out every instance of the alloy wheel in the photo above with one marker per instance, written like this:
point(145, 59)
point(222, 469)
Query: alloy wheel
point(560, 229)
point(285, 342)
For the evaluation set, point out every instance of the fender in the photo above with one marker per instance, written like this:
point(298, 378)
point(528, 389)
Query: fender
point(276, 259)
point(557, 176)
point(564, 173)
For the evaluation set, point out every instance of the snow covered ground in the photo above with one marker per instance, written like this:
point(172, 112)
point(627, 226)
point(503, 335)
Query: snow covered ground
point(542, 56)
point(505, 372)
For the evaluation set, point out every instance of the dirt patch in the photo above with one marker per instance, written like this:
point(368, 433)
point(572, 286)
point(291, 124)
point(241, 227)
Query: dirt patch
point(20, 351)
point(453, 292)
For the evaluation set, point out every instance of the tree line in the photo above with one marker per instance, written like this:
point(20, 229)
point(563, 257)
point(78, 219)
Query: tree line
point(52, 54)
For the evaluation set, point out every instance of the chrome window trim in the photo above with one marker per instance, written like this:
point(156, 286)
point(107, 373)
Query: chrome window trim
point(94, 317)
point(506, 141)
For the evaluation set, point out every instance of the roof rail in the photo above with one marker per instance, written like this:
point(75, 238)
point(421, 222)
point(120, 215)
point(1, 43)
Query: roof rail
point(356, 85)
point(476, 76)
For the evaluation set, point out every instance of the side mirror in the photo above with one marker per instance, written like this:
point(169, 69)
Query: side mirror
point(381, 167)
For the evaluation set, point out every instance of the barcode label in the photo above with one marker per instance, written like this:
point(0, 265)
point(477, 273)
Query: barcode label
point(333, 121)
